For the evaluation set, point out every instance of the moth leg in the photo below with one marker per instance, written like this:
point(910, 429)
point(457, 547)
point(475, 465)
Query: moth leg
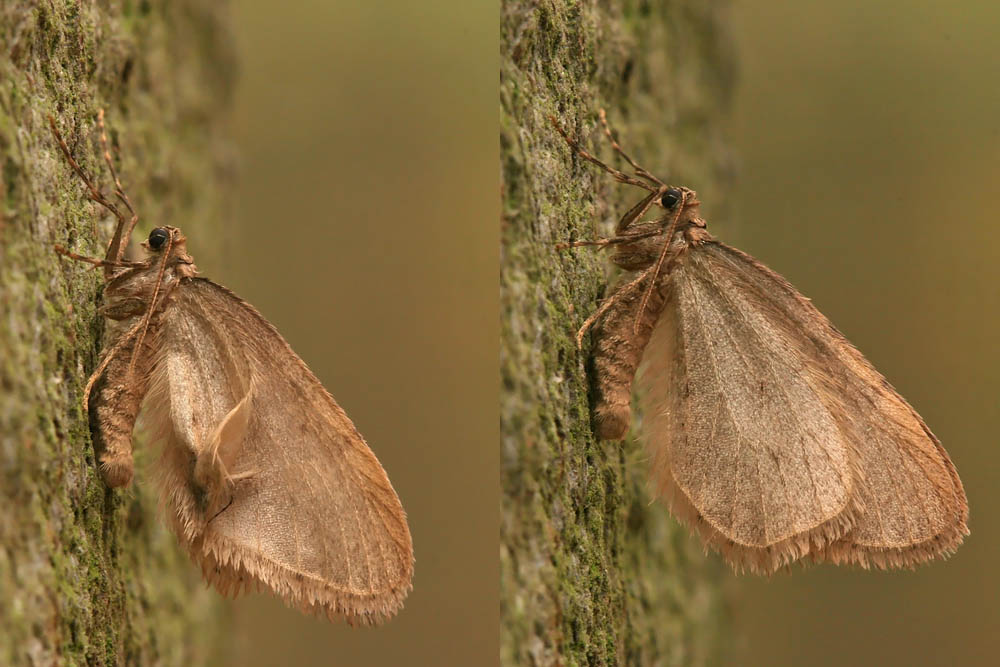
point(631, 238)
point(608, 303)
point(124, 308)
point(122, 239)
point(638, 211)
point(116, 249)
point(94, 260)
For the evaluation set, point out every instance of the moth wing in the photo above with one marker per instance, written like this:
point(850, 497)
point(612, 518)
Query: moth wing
point(824, 427)
point(266, 479)
point(915, 507)
point(743, 444)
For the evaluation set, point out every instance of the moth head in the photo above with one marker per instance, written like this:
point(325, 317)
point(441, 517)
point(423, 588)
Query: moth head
point(157, 239)
point(680, 203)
point(163, 237)
point(673, 196)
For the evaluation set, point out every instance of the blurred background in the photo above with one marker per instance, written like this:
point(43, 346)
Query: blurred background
point(867, 137)
point(366, 231)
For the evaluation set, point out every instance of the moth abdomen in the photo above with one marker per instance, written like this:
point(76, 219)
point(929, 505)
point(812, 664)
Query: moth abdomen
point(114, 405)
point(620, 341)
point(113, 437)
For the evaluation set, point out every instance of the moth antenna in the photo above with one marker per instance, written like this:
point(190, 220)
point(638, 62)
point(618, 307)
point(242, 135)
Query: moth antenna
point(152, 304)
point(619, 176)
point(115, 248)
point(119, 192)
point(607, 304)
point(618, 149)
point(659, 263)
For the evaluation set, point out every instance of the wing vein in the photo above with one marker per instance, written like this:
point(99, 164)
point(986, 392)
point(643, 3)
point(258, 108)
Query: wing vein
point(718, 383)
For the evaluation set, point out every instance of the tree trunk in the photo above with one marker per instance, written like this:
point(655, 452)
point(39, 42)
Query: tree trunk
point(89, 575)
point(591, 572)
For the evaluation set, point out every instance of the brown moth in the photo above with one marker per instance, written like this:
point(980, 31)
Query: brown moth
point(264, 479)
point(769, 434)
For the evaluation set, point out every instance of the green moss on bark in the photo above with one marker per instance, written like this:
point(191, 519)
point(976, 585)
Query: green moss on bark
point(89, 575)
point(591, 573)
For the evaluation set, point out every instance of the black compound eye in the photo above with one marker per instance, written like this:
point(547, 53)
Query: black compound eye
point(670, 198)
point(159, 236)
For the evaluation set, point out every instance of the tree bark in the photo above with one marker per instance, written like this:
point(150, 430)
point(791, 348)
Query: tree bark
point(591, 572)
point(89, 575)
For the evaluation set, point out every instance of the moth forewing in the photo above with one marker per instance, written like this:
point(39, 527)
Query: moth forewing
point(263, 477)
point(914, 506)
point(769, 433)
point(748, 453)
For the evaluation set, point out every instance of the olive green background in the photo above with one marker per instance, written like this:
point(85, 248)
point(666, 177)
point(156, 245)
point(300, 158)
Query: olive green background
point(366, 231)
point(867, 138)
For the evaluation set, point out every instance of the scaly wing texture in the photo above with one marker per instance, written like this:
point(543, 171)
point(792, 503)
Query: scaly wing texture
point(265, 478)
point(742, 443)
point(776, 439)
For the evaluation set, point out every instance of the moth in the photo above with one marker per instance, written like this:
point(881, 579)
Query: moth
point(263, 477)
point(769, 434)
